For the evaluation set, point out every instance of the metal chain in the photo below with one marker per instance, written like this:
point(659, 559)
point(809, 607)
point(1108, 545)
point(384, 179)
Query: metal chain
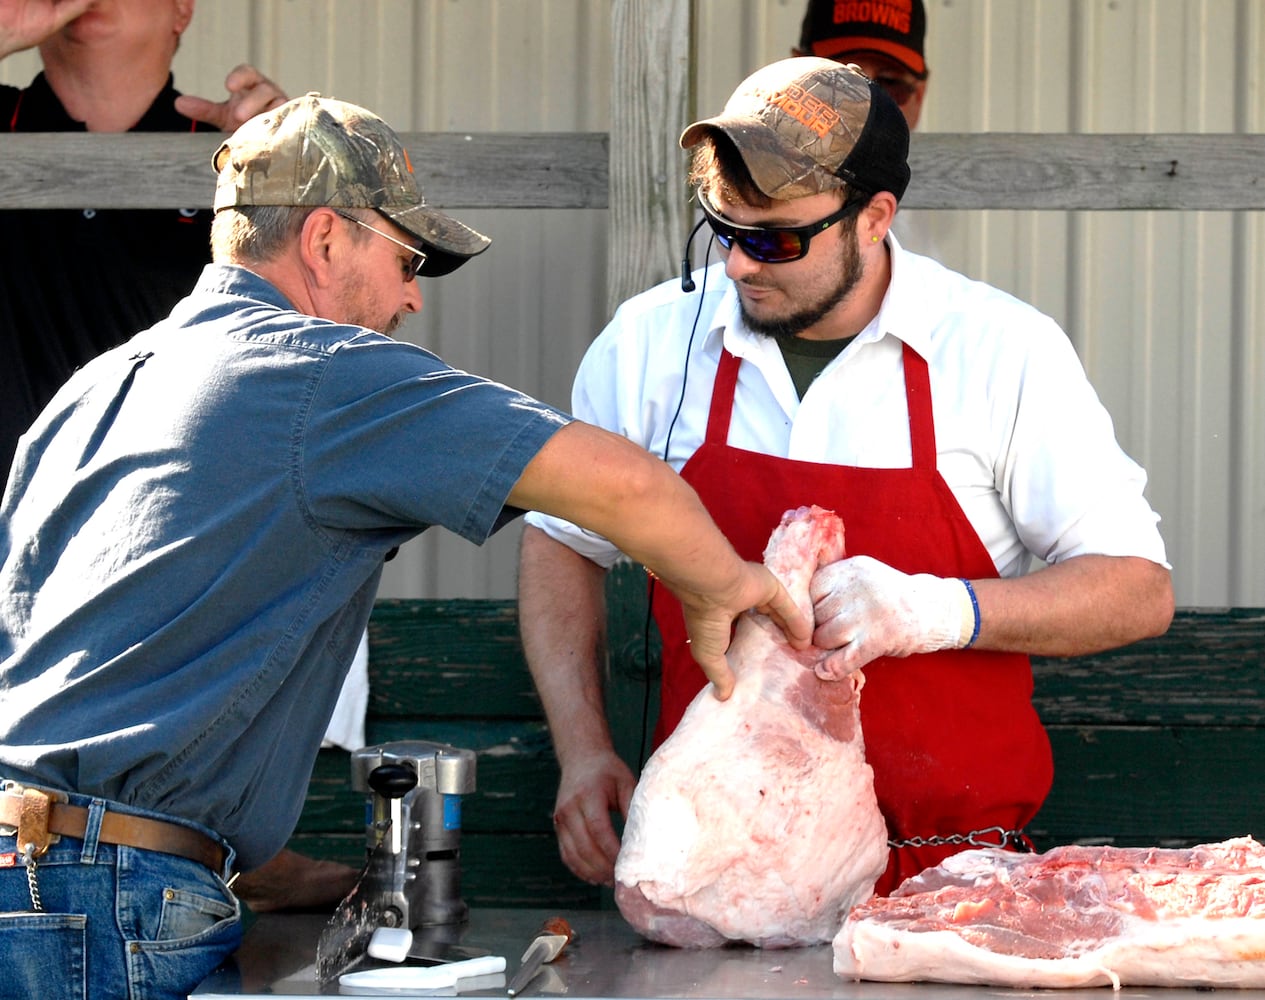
point(32, 879)
point(975, 838)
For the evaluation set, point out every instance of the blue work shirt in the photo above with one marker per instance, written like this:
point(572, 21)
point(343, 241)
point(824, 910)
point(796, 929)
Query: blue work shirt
point(192, 538)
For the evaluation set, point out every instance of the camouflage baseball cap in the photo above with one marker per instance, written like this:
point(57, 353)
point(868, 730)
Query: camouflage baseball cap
point(807, 125)
point(315, 151)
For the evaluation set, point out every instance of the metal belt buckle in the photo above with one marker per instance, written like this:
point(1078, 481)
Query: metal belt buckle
point(37, 807)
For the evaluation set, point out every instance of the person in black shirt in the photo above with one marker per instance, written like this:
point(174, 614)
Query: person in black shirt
point(76, 282)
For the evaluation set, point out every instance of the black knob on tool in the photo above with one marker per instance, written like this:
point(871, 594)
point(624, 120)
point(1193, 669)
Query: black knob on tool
point(393, 781)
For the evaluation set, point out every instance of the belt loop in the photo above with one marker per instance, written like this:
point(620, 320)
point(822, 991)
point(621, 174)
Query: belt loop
point(92, 831)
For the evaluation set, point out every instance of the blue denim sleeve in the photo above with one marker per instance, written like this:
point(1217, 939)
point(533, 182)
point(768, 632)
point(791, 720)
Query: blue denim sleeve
point(395, 438)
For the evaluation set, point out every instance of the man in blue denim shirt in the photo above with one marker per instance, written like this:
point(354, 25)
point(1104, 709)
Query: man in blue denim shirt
point(194, 529)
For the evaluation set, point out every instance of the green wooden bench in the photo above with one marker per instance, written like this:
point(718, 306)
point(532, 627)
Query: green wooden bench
point(1160, 742)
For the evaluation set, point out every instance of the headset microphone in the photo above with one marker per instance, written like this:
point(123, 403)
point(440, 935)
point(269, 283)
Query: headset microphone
point(687, 283)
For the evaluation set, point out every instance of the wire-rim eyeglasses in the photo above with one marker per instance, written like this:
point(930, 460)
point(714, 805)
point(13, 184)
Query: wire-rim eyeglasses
point(412, 266)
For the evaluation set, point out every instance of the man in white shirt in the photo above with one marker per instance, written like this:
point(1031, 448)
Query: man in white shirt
point(950, 425)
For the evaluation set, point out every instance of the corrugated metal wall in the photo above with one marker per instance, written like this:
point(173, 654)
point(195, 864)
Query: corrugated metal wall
point(1166, 309)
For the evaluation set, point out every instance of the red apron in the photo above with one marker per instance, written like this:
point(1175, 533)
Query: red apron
point(954, 741)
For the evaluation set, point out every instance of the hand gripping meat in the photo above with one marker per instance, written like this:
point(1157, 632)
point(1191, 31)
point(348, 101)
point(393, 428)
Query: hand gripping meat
point(865, 609)
point(756, 820)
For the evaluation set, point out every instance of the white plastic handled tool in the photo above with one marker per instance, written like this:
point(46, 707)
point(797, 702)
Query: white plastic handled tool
point(391, 944)
point(428, 977)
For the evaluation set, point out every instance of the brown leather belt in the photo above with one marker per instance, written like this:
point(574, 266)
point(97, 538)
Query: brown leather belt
point(121, 828)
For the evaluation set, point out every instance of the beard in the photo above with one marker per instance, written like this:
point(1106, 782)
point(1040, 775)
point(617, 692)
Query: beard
point(358, 312)
point(851, 268)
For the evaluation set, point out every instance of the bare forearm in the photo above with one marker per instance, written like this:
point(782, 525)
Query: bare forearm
point(562, 615)
point(1083, 605)
point(610, 486)
point(613, 487)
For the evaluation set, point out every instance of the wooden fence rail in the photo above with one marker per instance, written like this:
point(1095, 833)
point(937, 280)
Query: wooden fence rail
point(989, 170)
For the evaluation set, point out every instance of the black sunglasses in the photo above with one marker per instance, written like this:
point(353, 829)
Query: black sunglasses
point(774, 244)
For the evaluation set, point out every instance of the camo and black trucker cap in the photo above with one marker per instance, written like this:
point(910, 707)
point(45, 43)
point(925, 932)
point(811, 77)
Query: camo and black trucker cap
point(807, 125)
point(316, 151)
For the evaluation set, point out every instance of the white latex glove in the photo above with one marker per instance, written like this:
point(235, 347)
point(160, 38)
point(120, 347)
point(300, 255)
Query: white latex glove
point(865, 609)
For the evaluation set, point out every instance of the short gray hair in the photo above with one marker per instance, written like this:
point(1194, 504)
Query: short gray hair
point(254, 234)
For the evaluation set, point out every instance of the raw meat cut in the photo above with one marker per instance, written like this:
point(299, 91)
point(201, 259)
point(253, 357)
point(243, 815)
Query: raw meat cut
point(756, 819)
point(1073, 916)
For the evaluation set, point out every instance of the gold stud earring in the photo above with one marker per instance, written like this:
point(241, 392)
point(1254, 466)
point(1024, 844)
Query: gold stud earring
point(875, 239)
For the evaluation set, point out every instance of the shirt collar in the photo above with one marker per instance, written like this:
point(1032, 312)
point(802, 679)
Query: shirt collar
point(900, 314)
point(162, 115)
point(41, 111)
point(240, 282)
point(728, 330)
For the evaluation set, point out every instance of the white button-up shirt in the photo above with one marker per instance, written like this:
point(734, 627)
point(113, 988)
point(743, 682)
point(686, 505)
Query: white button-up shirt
point(1022, 439)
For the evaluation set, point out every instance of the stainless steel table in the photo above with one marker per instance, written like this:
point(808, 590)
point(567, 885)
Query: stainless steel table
point(607, 960)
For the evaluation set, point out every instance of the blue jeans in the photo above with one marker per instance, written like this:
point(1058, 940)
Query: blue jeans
point(117, 922)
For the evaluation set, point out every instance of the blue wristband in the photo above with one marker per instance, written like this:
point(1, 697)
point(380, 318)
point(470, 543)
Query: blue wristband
point(975, 607)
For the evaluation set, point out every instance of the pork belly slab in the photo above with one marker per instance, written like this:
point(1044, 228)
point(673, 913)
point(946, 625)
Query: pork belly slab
point(1073, 916)
point(756, 819)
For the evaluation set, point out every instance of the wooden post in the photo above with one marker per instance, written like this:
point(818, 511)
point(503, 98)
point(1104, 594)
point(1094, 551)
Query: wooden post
point(651, 99)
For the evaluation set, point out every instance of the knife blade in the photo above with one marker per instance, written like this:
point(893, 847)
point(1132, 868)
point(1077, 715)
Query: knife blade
point(549, 941)
point(346, 937)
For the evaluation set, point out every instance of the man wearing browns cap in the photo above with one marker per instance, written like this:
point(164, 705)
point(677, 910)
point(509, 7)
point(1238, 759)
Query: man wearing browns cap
point(194, 530)
point(951, 426)
point(883, 38)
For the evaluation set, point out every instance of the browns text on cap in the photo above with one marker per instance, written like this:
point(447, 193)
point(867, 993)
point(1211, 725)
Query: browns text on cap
point(893, 28)
point(316, 151)
point(807, 125)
